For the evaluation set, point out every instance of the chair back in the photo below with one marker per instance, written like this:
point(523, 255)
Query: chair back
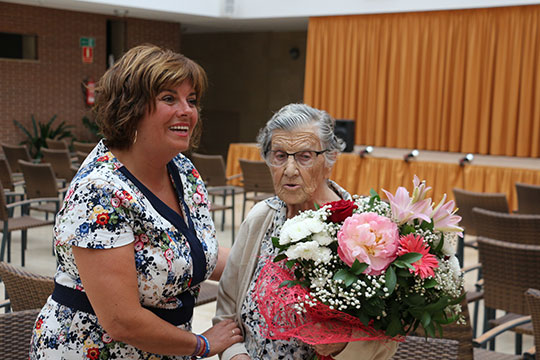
point(211, 168)
point(56, 144)
point(16, 332)
point(467, 200)
point(60, 161)
point(6, 175)
point(518, 228)
point(508, 270)
point(257, 176)
point(418, 348)
point(528, 197)
point(14, 153)
point(533, 299)
point(4, 214)
point(39, 180)
point(26, 290)
point(83, 147)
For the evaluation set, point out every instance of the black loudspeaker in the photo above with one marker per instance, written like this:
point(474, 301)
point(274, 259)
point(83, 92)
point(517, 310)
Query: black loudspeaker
point(345, 130)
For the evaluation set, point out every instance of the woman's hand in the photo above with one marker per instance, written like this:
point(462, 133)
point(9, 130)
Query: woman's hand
point(241, 357)
point(329, 349)
point(222, 335)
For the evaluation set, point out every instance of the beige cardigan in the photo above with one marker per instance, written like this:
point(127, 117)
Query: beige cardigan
point(237, 277)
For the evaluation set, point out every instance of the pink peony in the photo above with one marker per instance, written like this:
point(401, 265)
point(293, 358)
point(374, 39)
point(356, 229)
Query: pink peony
point(370, 238)
point(423, 267)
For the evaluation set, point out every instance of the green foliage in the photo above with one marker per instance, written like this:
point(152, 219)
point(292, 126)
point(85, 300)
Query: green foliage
point(39, 132)
point(92, 127)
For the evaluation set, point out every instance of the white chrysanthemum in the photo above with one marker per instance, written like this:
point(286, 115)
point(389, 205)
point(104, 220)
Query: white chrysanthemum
point(308, 250)
point(324, 256)
point(322, 238)
point(313, 225)
point(293, 230)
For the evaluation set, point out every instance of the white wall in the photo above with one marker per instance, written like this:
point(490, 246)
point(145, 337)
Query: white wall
point(260, 9)
point(286, 8)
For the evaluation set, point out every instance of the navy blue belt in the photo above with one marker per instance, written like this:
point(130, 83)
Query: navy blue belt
point(78, 300)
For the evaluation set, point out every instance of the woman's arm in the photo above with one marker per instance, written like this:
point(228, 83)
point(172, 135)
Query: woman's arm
point(109, 278)
point(223, 255)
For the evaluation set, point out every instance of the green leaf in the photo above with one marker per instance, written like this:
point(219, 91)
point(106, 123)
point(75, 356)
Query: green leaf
point(290, 263)
point(410, 257)
point(346, 277)
point(407, 229)
point(403, 265)
point(426, 319)
point(430, 283)
point(358, 268)
point(374, 194)
point(440, 245)
point(275, 242)
point(394, 328)
point(390, 279)
point(403, 273)
point(280, 257)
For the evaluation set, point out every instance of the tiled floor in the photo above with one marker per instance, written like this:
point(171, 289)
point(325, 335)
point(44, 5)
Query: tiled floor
point(39, 259)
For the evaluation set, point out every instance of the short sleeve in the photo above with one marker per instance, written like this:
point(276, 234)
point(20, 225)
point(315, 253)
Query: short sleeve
point(97, 214)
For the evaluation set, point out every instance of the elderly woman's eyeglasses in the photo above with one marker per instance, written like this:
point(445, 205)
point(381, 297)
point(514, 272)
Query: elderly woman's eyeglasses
point(304, 158)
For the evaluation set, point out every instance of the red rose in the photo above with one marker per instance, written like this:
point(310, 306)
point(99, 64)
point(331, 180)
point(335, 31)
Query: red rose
point(341, 210)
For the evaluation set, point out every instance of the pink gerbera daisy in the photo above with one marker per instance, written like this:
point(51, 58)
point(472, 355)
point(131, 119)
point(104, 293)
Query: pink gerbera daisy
point(423, 267)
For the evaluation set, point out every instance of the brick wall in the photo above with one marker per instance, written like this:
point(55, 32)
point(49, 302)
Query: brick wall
point(52, 84)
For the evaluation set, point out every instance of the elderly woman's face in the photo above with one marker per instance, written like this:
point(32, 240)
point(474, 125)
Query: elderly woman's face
point(296, 184)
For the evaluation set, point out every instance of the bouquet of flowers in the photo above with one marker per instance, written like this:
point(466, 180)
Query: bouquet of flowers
point(364, 269)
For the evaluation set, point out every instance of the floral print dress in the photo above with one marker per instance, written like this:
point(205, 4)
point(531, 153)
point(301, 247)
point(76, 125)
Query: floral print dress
point(256, 344)
point(107, 207)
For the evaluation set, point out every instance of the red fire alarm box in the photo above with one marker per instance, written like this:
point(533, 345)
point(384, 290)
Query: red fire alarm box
point(87, 54)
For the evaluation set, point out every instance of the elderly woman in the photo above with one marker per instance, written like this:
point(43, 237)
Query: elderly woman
point(300, 147)
point(134, 238)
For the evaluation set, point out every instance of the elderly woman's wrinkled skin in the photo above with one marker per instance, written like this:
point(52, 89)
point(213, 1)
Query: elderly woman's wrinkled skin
point(301, 187)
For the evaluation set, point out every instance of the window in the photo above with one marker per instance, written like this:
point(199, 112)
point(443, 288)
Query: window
point(18, 46)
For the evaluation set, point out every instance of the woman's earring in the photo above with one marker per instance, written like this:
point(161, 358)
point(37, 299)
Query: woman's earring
point(135, 137)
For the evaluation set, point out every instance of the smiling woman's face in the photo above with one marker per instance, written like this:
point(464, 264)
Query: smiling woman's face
point(296, 185)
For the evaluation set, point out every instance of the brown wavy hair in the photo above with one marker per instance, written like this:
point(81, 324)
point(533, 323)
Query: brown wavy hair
point(129, 89)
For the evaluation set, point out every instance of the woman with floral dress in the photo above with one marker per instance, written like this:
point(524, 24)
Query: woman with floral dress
point(134, 238)
point(300, 148)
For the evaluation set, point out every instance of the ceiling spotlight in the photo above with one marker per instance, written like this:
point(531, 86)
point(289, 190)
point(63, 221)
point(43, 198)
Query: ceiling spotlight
point(467, 159)
point(366, 151)
point(411, 155)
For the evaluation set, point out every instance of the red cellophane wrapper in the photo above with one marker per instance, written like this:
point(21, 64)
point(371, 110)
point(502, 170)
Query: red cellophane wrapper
point(318, 324)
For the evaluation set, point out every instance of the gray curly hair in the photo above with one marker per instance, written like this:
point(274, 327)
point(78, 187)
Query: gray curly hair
point(293, 116)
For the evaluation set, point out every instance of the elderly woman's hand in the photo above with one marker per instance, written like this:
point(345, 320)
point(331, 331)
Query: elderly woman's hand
point(329, 349)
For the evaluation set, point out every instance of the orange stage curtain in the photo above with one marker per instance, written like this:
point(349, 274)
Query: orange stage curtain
point(460, 80)
point(359, 175)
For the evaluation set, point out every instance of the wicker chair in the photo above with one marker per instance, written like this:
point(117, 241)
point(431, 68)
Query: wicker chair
point(417, 348)
point(508, 269)
point(56, 144)
point(533, 299)
point(40, 182)
point(14, 153)
point(528, 197)
point(24, 222)
point(6, 177)
point(25, 290)
point(60, 161)
point(519, 228)
point(466, 201)
point(208, 293)
point(469, 347)
point(212, 170)
point(15, 334)
point(83, 147)
point(257, 180)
